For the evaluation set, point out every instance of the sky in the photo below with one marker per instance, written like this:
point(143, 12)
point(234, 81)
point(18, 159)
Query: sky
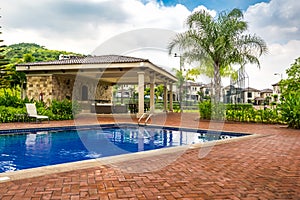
point(101, 27)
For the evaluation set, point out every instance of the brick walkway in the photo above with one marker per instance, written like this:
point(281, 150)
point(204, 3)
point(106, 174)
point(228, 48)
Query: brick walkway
point(261, 168)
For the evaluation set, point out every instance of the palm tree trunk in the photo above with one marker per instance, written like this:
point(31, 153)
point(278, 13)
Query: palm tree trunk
point(217, 109)
point(217, 84)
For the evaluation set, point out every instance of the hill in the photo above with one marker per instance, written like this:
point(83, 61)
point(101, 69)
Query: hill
point(23, 53)
point(31, 52)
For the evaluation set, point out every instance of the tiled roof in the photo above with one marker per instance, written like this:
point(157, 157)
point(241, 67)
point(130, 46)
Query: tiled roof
point(105, 59)
point(276, 84)
point(250, 89)
point(266, 91)
point(208, 85)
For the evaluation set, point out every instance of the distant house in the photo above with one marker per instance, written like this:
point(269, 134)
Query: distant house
point(276, 92)
point(206, 89)
point(266, 94)
point(193, 90)
point(251, 95)
point(232, 94)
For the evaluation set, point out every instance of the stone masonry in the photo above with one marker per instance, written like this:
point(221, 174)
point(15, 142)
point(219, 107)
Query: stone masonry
point(39, 87)
point(59, 87)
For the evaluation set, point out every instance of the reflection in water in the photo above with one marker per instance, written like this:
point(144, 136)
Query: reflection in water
point(30, 140)
point(146, 138)
point(35, 150)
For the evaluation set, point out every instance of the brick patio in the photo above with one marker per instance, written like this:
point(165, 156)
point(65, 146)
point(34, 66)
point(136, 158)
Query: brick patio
point(262, 168)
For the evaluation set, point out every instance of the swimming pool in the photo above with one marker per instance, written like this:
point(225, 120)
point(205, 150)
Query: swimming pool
point(30, 148)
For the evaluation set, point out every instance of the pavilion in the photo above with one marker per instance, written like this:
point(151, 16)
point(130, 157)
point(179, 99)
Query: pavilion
point(91, 78)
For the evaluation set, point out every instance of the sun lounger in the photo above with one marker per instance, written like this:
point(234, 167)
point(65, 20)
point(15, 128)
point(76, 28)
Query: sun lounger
point(32, 113)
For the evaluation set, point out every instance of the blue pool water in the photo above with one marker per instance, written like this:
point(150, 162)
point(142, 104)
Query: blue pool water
point(36, 149)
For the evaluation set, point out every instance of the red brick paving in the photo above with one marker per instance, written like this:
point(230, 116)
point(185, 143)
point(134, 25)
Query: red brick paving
point(260, 168)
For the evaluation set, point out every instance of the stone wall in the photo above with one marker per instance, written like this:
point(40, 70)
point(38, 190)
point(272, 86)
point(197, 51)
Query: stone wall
point(39, 87)
point(104, 91)
point(61, 87)
point(97, 90)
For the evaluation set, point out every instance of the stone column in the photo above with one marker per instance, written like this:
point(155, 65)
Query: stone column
point(165, 98)
point(152, 102)
point(171, 97)
point(141, 83)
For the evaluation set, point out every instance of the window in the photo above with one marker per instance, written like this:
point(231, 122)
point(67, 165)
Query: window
point(207, 91)
point(249, 95)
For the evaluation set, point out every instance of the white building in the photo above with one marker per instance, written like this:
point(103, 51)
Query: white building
point(276, 92)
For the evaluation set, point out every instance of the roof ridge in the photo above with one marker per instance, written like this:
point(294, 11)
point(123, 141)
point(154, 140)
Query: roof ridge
point(121, 56)
point(89, 59)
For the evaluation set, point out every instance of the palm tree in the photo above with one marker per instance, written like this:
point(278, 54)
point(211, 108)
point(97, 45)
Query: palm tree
point(218, 43)
point(183, 78)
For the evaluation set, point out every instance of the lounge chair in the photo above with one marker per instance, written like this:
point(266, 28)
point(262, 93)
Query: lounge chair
point(32, 113)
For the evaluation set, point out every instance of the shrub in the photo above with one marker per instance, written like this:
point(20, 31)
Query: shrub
point(239, 106)
point(239, 112)
point(176, 106)
point(205, 110)
point(290, 109)
point(10, 100)
point(64, 109)
point(8, 114)
point(208, 110)
point(58, 110)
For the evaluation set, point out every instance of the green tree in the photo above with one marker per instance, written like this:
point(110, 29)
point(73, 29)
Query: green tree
point(28, 58)
point(290, 88)
point(159, 91)
point(28, 52)
point(5, 71)
point(183, 76)
point(218, 43)
point(292, 83)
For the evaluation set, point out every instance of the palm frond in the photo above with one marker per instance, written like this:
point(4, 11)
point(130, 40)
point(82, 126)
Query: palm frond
point(218, 43)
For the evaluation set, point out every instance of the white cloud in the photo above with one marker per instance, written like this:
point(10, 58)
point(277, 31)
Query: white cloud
point(81, 26)
point(153, 15)
point(213, 13)
point(279, 58)
point(277, 21)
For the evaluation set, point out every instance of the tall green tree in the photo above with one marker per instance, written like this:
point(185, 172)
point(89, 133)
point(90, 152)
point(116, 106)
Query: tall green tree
point(290, 96)
point(292, 83)
point(182, 77)
point(5, 71)
point(218, 43)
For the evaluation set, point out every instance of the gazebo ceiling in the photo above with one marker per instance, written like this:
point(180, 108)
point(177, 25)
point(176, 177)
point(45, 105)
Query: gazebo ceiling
point(109, 68)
